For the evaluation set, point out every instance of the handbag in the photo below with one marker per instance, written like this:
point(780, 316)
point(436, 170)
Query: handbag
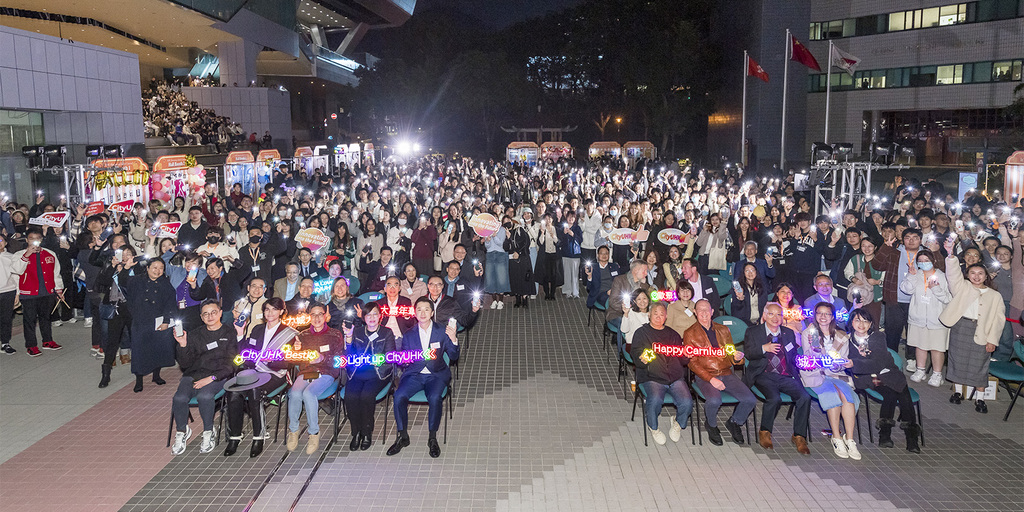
point(108, 311)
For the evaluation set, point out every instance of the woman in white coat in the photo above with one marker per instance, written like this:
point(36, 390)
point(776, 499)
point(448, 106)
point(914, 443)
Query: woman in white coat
point(929, 294)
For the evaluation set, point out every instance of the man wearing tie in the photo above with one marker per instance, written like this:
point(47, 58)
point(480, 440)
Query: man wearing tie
point(771, 351)
point(308, 266)
point(431, 376)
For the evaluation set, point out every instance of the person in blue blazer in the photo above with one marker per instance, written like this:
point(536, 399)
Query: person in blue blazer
point(771, 351)
point(599, 284)
point(431, 376)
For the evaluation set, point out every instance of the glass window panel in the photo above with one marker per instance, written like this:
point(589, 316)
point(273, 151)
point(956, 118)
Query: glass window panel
point(893, 76)
point(968, 73)
point(878, 79)
point(930, 17)
point(849, 27)
point(896, 21)
point(982, 72)
point(835, 29)
point(1002, 71)
point(1016, 73)
point(944, 75)
point(815, 32)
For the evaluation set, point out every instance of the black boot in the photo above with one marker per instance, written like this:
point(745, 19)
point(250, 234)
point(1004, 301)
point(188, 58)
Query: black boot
point(518, 303)
point(156, 378)
point(885, 432)
point(257, 448)
point(401, 442)
point(913, 431)
point(231, 448)
point(526, 301)
point(105, 379)
point(138, 383)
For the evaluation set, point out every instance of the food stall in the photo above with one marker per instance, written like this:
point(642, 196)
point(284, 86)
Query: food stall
point(522, 152)
point(240, 167)
point(267, 162)
point(1014, 181)
point(115, 179)
point(177, 176)
point(353, 156)
point(553, 150)
point(605, 149)
point(636, 150)
point(369, 155)
point(308, 160)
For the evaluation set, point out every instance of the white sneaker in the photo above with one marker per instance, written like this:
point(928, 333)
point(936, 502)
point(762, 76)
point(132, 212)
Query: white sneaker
point(935, 380)
point(73, 320)
point(93, 351)
point(501, 304)
point(533, 297)
point(494, 304)
point(911, 365)
point(919, 375)
point(88, 322)
point(180, 438)
point(657, 435)
point(56, 323)
point(675, 431)
point(208, 442)
point(851, 449)
point(840, 448)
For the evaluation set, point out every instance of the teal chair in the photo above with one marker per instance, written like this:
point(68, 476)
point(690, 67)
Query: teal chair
point(876, 396)
point(384, 394)
point(610, 331)
point(625, 361)
point(332, 394)
point(598, 306)
point(420, 398)
point(1008, 371)
point(353, 284)
point(723, 284)
point(218, 404)
point(424, 278)
point(727, 399)
point(737, 327)
point(641, 395)
point(369, 297)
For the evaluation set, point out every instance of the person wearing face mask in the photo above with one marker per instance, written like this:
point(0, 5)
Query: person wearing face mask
point(605, 231)
point(399, 238)
point(216, 249)
point(258, 255)
point(929, 295)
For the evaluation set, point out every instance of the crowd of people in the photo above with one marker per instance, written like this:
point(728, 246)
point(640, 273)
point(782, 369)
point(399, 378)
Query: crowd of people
point(168, 113)
point(827, 298)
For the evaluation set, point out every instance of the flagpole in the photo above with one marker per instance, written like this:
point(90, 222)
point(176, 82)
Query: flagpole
point(785, 90)
point(743, 118)
point(828, 88)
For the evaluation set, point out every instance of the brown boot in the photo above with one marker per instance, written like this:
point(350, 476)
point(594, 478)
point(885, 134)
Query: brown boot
point(764, 437)
point(801, 445)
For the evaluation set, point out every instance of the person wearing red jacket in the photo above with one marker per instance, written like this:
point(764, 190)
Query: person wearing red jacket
point(39, 287)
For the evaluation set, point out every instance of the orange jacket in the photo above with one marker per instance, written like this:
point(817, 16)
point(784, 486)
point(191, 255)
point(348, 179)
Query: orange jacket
point(708, 367)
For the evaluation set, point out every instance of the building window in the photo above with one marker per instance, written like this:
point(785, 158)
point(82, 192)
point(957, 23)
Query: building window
point(922, 76)
point(945, 15)
point(19, 129)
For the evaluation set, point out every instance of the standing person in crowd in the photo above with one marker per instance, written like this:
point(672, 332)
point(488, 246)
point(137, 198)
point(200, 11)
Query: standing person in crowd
point(714, 244)
point(865, 289)
point(114, 311)
point(39, 287)
point(430, 376)
point(570, 236)
point(424, 245)
point(831, 384)
point(520, 266)
point(714, 374)
point(8, 292)
point(313, 377)
point(929, 295)
point(772, 352)
point(247, 389)
point(976, 315)
point(663, 375)
point(204, 354)
point(548, 271)
point(874, 368)
point(192, 234)
point(496, 279)
point(366, 381)
point(590, 223)
point(152, 309)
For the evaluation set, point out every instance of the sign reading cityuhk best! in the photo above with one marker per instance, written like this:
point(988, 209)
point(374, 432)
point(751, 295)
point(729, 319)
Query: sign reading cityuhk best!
point(484, 224)
point(312, 239)
point(626, 236)
point(671, 236)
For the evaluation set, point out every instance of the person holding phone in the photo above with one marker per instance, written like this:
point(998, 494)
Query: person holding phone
point(39, 286)
point(364, 382)
point(431, 376)
point(150, 299)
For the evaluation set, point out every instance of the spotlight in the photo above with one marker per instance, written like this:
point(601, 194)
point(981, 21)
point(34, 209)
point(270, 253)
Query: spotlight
point(821, 151)
point(53, 156)
point(34, 155)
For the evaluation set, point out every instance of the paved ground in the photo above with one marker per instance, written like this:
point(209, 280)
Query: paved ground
point(540, 423)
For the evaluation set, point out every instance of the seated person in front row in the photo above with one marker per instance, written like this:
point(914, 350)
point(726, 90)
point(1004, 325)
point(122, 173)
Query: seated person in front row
point(771, 351)
point(431, 376)
point(205, 354)
point(313, 377)
point(662, 375)
point(714, 375)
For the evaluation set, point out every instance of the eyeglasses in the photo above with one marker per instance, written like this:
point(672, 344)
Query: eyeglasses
point(392, 285)
point(316, 315)
point(207, 314)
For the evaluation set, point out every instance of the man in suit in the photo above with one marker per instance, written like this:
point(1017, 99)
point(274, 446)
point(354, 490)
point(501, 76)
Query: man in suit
point(458, 289)
point(377, 271)
point(703, 286)
point(304, 299)
point(390, 305)
point(771, 352)
point(714, 374)
point(471, 273)
point(308, 266)
point(288, 286)
point(431, 376)
point(600, 276)
point(446, 307)
point(624, 284)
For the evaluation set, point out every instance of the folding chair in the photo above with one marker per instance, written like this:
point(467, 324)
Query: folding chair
point(276, 398)
point(218, 405)
point(727, 399)
point(369, 297)
point(1007, 372)
point(640, 394)
point(384, 394)
point(598, 306)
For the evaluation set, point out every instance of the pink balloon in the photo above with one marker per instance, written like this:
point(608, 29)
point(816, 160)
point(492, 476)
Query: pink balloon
point(157, 186)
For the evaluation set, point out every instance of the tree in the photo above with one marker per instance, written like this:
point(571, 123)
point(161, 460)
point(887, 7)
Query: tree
point(488, 90)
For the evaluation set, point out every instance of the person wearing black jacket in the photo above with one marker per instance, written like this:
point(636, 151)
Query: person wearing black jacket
point(223, 287)
point(662, 374)
point(205, 355)
point(114, 305)
point(771, 350)
point(446, 307)
point(258, 255)
point(97, 258)
point(840, 252)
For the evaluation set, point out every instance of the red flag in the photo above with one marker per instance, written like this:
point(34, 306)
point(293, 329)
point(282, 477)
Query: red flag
point(801, 54)
point(755, 69)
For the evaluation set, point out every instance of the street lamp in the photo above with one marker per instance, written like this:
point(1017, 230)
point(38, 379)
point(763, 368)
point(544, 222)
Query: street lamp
point(618, 126)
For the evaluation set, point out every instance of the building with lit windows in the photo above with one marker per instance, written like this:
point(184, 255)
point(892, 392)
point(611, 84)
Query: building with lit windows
point(934, 76)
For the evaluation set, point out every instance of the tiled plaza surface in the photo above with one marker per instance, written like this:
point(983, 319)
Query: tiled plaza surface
point(540, 423)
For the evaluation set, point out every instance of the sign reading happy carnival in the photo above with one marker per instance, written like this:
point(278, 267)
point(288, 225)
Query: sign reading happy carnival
point(312, 239)
point(626, 236)
point(484, 224)
point(671, 236)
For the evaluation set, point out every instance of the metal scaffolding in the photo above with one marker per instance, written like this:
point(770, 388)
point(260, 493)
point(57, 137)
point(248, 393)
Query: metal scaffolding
point(844, 182)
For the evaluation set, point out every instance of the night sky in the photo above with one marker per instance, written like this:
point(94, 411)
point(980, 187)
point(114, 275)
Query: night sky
point(499, 14)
